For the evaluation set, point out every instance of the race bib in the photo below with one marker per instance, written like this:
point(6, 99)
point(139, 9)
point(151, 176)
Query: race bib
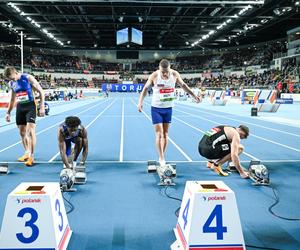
point(166, 95)
point(22, 97)
point(225, 147)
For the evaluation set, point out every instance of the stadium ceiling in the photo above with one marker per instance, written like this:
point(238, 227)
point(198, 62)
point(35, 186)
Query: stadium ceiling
point(165, 24)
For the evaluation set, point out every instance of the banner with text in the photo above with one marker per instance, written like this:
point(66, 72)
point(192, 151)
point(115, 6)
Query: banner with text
point(114, 87)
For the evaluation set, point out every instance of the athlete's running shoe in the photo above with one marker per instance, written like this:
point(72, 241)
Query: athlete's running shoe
point(218, 169)
point(29, 162)
point(25, 157)
point(210, 164)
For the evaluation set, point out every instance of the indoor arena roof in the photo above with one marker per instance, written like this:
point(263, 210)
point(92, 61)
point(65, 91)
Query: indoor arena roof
point(165, 24)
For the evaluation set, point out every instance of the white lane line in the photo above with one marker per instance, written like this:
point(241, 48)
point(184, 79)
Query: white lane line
point(251, 156)
point(117, 116)
point(238, 120)
point(57, 154)
point(54, 125)
point(38, 118)
point(256, 136)
point(202, 131)
point(176, 146)
point(122, 134)
point(145, 161)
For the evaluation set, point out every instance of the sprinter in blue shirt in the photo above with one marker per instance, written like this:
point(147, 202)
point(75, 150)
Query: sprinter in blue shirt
point(23, 87)
point(72, 133)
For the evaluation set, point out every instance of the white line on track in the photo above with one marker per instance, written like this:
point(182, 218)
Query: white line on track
point(122, 134)
point(176, 146)
point(38, 118)
point(116, 116)
point(145, 161)
point(46, 129)
point(238, 120)
point(252, 135)
point(54, 156)
point(202, 131)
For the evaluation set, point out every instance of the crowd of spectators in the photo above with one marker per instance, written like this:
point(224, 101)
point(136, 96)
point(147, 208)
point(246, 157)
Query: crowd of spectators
point(41, 60)
point(268, 79)
point(254, 55)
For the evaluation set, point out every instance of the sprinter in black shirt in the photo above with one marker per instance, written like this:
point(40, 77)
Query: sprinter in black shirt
point(221, 144)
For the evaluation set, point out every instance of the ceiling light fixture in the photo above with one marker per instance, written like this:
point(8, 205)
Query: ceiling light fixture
point(34, 23)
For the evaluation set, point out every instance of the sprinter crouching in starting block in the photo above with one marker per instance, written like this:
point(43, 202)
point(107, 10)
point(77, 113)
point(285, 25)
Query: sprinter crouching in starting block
point(223, 143)
point(71, 131)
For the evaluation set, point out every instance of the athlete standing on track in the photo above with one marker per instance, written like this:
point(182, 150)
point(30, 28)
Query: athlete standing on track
point(22, 86)
point(163, 83)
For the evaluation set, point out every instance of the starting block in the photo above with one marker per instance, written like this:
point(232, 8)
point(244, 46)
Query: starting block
point(166, 173)
point(66, 180)
point(231, 167)
point(259, 173)
point(4, 168)
point(152, 166)
point(80, 174)
point(208, 218)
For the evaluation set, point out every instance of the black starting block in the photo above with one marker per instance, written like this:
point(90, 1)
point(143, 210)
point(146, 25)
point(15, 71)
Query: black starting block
point(166, 172)
point(4, 168)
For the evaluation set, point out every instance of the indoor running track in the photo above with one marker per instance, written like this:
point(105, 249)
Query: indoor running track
point(121, 207)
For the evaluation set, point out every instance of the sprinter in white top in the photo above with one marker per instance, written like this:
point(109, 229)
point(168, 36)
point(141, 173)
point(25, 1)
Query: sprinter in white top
point(163, 83)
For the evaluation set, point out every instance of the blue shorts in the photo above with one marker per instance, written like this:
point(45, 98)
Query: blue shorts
point(69, 146)
point(161, 115)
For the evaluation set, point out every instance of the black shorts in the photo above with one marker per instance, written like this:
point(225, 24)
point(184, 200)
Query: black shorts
point(26, 113)
point(219, 151)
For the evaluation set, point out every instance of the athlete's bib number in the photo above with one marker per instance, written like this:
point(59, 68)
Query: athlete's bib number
point(22, 97)
point(166, 95)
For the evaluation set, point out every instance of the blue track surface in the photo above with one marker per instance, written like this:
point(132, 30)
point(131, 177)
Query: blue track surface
point(121, 206)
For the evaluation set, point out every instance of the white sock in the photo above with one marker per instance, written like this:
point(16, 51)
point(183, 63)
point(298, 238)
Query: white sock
point(162, 162)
